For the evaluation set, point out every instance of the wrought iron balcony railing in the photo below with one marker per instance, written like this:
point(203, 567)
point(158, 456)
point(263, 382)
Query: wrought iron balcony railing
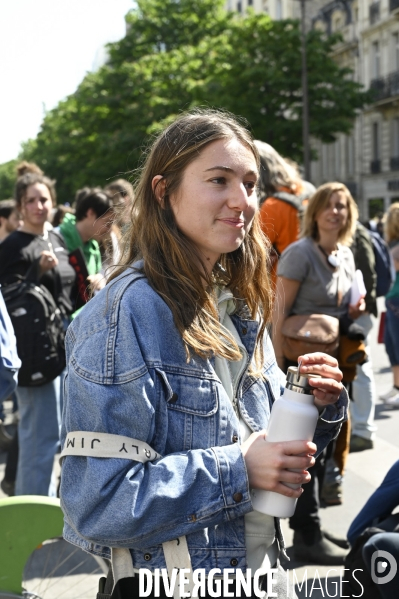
point(375, 166)
point(385, 87)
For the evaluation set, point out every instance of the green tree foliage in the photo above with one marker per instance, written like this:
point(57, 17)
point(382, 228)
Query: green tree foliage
point(182, 53)
point(7, 179)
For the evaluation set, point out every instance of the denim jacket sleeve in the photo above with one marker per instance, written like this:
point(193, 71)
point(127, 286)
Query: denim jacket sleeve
point(116, 502)
point(330, 421)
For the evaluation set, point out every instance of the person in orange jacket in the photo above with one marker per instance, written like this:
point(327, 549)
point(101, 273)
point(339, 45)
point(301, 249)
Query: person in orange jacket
point(283, 198)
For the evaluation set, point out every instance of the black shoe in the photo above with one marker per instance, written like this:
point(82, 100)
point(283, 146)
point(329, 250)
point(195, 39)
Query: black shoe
point(8, 487)
point(331, 493)
point(359, 444)
point(339, 541)
point(321, 551)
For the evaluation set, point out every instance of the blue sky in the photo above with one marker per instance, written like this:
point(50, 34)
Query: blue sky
point(46, 47)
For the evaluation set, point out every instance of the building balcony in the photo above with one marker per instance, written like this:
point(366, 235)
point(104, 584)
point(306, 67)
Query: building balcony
point(374, 13)
point(394, 163)
point(375, 166)
point(385, 87)
point(393, 5)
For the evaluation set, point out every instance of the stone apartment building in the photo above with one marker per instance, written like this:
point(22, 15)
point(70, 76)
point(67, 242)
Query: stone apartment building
point(367, 160)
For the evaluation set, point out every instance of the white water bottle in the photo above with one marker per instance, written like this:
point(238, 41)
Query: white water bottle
point(293, 418)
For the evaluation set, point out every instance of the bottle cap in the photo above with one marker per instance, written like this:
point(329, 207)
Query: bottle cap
point(299, 382)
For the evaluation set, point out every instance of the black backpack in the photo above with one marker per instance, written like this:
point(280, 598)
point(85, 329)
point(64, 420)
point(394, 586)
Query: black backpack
point(39, 331)
point(383, 263)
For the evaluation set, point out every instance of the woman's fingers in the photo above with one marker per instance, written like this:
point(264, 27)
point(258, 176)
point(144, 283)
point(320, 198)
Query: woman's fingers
point(268, 463)
point(288, 491)
point(295, 477)
point(328, 388)
point(322, 364)
point(316, 358)
point(326, 391)
point(299, 462)
point(324, 384)
point(48, 260)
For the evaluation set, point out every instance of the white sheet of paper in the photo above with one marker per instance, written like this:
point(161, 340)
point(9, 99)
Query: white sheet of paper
point(358, 288)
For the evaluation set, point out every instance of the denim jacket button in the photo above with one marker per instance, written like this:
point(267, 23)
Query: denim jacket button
point(174, 398)
point(237, 497)
point(244, 331)
point(147, 557)
point(234, 561)
point(235, 438)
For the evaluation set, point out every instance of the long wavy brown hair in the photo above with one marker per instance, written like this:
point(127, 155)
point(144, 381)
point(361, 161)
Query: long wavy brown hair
point(173, 264)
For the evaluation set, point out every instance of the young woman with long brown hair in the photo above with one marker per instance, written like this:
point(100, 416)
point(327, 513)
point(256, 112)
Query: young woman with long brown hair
point(36, 251)
point(172, 361)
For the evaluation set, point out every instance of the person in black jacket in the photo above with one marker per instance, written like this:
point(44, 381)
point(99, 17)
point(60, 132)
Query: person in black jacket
point(36, 248)
point(363, 387)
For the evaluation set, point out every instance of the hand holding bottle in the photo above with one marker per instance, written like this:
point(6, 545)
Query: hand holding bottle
point(292, 425)
point(269, 464)
point(327, 389)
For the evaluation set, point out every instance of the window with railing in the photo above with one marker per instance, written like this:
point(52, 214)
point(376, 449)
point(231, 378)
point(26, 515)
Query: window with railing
point(385, 87)
point(393, 4)
point(375, 166)
point(395, 51)
point(394, 162)
point(376, 59)
point(374, 12)
point(375, 136)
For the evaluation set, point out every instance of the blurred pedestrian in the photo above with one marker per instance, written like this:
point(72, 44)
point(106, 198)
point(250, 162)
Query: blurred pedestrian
point(283, 197)
point(9, 360)
point(82, 232)
point(375, 529)
point(35, 250)
point(391, 333)
point(10, 220)
point(122, 194)
point(363, 392)
point(58, 214)
point(315, 276)
point(9, 366)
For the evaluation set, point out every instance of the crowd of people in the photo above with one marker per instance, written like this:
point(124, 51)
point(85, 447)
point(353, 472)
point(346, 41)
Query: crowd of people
point(181, 305)
point(38, 241)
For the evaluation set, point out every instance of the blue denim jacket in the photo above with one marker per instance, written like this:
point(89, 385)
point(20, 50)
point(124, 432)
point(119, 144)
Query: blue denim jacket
point(128, 375)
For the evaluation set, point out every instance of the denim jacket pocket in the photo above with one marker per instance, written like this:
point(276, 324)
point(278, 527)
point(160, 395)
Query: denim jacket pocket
point(193, 410)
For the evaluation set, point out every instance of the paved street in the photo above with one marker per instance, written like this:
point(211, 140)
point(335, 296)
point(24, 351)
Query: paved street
point(364, 472)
